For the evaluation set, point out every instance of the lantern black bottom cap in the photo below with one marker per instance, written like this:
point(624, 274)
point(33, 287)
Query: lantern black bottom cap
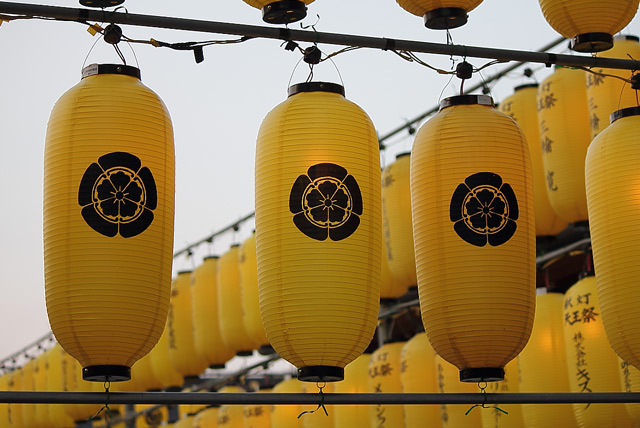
point(592, 42)
point(284, 12)
point(266, 350)
point(482, 374)
point(320, 374)
point(445, 18)
point(106, 373)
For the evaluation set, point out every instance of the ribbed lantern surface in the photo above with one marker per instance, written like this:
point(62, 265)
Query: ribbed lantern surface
point(206, 322)
point(546, 344)
point(318, 229)
point(440, 14)
point(613, 192)
point(397, 223)
point(108, 220)
point(592, 364)
point(590, 24)
point(474, 235)
point(563, 116)
point(605, 93)
point(281, 11)
point(418, 374)
point(521, 106)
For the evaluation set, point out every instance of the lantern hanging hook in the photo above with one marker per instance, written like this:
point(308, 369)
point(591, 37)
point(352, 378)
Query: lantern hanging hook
point(107, 385)
point(483, 388)
point(313, 27)
point(320, 386)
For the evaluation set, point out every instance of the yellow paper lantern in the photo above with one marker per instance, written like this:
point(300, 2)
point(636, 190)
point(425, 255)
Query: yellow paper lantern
point(4, 407)
point(563, 116)
point(249, 291)
point(398, 225)
point(521, 106)
point(161, 365)
point(143, 372)
point(207, 418)
point(230, 416)
point(206, 322)
point(72, 371)
point(390, 289)
point(232, 330)
point(281, 11)
point(257, 415)
point(153, 415)
point(440, 14)
point(590, 24)
point(318, 223)
point(185, 422)
point(612, 192)
point(56, 381)
point(495, 416)
point(108, 220)
point(14, 382)
point(286, 416)
point(592, 363)
point(40, 373)
point(472, 202)
point(356, 380)
point(29, 384)
point(384, 376)
point(453, 415)
point(630, 382)
point(546, 344)
point(318, 419)
point(418, 374)
point(606, 94)
point(182, 354)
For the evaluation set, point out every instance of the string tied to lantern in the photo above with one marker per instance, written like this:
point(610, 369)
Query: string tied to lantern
point(107, 385)
point(320, 386)
point(483, 388)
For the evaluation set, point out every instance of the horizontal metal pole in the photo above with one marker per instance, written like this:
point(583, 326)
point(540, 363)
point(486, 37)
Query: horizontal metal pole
point(204, 398)
point(280, 33)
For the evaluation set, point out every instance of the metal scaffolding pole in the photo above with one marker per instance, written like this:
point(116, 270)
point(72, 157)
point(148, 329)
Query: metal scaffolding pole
point(258, 398)
point(279, 33)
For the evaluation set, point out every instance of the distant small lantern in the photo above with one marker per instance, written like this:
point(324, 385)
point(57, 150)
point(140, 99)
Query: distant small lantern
point(613, 194)
point(281, 11)
point(56, 381)
point(440, 14)
point(589, 24)
point(418, 374)
point(108, 220)
point(384, 376)
point(318, 229)
point(474, 226)
point(161, 365)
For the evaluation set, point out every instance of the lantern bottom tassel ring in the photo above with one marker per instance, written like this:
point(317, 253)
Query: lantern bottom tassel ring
point(482, 374)
point(321, 374)
point(106, 373)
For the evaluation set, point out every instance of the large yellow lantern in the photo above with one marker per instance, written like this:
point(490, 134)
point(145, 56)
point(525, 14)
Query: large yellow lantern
point(546, 344)
point(606, 91)
point(318, 229)
point(563, 116)
point(472, 203)
point(356, 380)
point(613, 193)
point(286, 415)
point(590, 24)
point(249, 289)
point(108, 220)
point(440, 14)
point(418, 374)
point(182, 354)
point(281, 11)
point(384, 376)
point(397, 223)
point(454, 415)
point(592, 363)
point(234, 335)
point(161, 365)
point(206, 322)
point(521, 106)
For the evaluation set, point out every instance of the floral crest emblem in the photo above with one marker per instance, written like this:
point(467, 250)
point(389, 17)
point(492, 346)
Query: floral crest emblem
point(326, 202)
point(484, 210)
point(118, 195)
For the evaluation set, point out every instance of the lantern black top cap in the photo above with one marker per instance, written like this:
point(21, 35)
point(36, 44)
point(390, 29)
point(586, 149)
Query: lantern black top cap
point(127, 70)
point(526, 85)
point(316, 87)
point(626, 37)
point(625, 112)
point(459, 100)
point(403, 154)
point(101, 3)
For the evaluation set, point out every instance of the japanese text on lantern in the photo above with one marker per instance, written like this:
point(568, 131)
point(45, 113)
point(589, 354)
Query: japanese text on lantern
point(580, 310)
point(444, 416)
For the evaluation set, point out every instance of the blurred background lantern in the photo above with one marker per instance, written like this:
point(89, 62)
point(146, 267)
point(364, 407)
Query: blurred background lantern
point(563, 116)
point(41, 372)
point(56, 381)
point(606, 89)
point(14, 410)
point(286, 415)
point(521, 106)
point(591, 361)
point(249, 290)
point(418, 374)
point(613, 194)
point(257, 415)
point(161, 365)
point(318, 223)
point(4, 407)
point(390, 289)
point(142, 371)
point(630, 382)
point(152, 415)
point(440, 14)
point(398, 225)
point(384, 376)
point(72, 371)
point(454, 415)
point(232, 330)
point(108, 220)
point(589, 24)
point(472, 202)
point(207, 418)
point(29, 384)
point(182, 354)
point(356, 380)
point(546, 344)
point(206, 320)
point(230, 416)
point(500, 415)
point(281, 11)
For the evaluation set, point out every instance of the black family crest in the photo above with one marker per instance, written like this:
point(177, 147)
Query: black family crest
point(118, 195)
point(484, 210)
point(326, 202)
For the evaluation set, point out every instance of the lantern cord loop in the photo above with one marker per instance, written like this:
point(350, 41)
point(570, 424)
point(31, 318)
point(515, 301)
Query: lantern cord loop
point(313, 27)
point(321, 404)
point(483, 388)
point(107, 385)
